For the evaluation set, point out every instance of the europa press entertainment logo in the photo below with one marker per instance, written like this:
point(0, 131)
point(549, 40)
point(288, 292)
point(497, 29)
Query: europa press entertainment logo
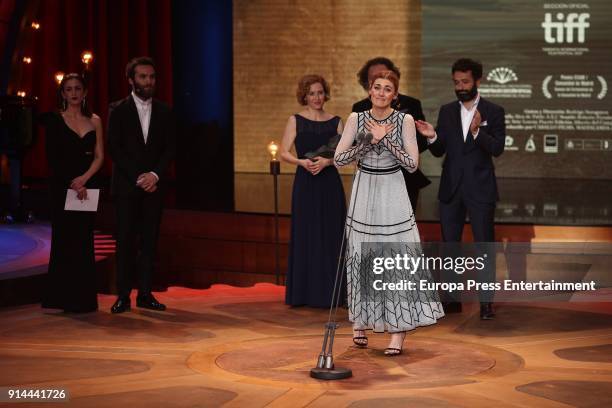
point(562, 30)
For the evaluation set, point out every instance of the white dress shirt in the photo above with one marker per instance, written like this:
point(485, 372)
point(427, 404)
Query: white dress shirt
point(467, 115)
point(466, 120)
point(144, 114)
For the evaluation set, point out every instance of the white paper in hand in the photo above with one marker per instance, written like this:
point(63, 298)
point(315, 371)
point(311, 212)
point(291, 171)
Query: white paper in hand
point(74, 204)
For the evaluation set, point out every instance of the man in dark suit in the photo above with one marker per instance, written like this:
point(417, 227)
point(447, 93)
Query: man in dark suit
point(141, 145)
point(470, 132)
point(417, 180)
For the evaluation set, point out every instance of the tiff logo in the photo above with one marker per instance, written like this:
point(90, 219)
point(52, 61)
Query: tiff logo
point(563, 29)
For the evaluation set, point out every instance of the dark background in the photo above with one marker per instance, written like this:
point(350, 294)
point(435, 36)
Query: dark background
point(191, 43)
point(508, 33)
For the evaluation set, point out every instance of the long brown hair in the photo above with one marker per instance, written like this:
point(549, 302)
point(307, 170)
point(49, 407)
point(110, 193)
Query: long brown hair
point(61, 102)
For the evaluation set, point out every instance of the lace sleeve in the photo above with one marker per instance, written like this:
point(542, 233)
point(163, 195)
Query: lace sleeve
point(408, 157)
point(348, 156)
point(346, 152)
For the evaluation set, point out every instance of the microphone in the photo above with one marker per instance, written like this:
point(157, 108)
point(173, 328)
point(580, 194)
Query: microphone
point(359, 137)
point(364, 137)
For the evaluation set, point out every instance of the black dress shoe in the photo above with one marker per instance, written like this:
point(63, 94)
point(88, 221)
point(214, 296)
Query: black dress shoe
point(147, 301)
point(121, 305)
point(486, 311)
point(452, 307)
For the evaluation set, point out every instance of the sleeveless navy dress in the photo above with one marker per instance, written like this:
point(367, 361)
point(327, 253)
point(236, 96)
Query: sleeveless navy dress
point(318, 212)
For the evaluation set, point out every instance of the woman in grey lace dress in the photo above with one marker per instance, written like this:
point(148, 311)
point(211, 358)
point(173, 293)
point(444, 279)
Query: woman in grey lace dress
point(381, 140)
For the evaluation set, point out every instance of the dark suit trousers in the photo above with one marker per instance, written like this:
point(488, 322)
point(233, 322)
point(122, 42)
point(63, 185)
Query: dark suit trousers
point(452, 220)
point(138, 219)
point(413, 194)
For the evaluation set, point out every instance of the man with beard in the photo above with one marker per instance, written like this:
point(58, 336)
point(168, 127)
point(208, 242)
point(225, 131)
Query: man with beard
point(141, 145)
point(470, 132)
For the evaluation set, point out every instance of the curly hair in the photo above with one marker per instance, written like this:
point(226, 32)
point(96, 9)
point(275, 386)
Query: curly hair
point(389, 75)
point(467, 64)
point(304, 87)
point(362, 75)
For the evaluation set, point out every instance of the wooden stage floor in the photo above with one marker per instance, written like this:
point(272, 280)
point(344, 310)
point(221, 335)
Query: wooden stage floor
point(242, 347)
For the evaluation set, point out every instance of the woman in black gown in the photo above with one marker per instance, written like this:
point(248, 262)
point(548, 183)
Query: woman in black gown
point(74, 154)
point(318, 205)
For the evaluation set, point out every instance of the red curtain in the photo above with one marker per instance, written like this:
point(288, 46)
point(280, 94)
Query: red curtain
point(115, 31)
point(7, 7)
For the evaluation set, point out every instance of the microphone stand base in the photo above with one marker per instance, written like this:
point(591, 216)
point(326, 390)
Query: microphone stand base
point(336, 373)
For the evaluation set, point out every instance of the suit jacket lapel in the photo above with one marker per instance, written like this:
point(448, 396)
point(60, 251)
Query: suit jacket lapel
point(135, 118)
point(470, 143)
point(483, 109)
point(153, 121)
point(457, 120)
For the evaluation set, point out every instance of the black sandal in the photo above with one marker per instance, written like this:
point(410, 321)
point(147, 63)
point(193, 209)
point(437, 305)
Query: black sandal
point(393, 351)
point(360, 341)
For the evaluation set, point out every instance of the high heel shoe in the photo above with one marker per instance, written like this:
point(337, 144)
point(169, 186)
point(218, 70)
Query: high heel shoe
point(394, 351)
point(360, 341)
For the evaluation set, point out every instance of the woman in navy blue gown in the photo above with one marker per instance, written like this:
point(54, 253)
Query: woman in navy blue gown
point(318, 207)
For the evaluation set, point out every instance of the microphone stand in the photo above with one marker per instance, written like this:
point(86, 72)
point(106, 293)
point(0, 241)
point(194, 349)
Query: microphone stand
point(325, 369)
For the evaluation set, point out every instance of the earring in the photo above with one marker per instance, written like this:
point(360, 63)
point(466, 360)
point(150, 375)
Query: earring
point(84, 103)
point(64, 104)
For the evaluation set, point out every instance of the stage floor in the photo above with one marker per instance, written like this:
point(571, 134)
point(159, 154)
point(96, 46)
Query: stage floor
point(24, 249)
point(242, 347)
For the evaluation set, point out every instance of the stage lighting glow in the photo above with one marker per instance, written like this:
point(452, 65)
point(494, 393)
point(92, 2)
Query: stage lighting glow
point(59, 75)
point(35, 25)
point(27, 60)
point(273, 149)
point(86, 57)
point(21, 94)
